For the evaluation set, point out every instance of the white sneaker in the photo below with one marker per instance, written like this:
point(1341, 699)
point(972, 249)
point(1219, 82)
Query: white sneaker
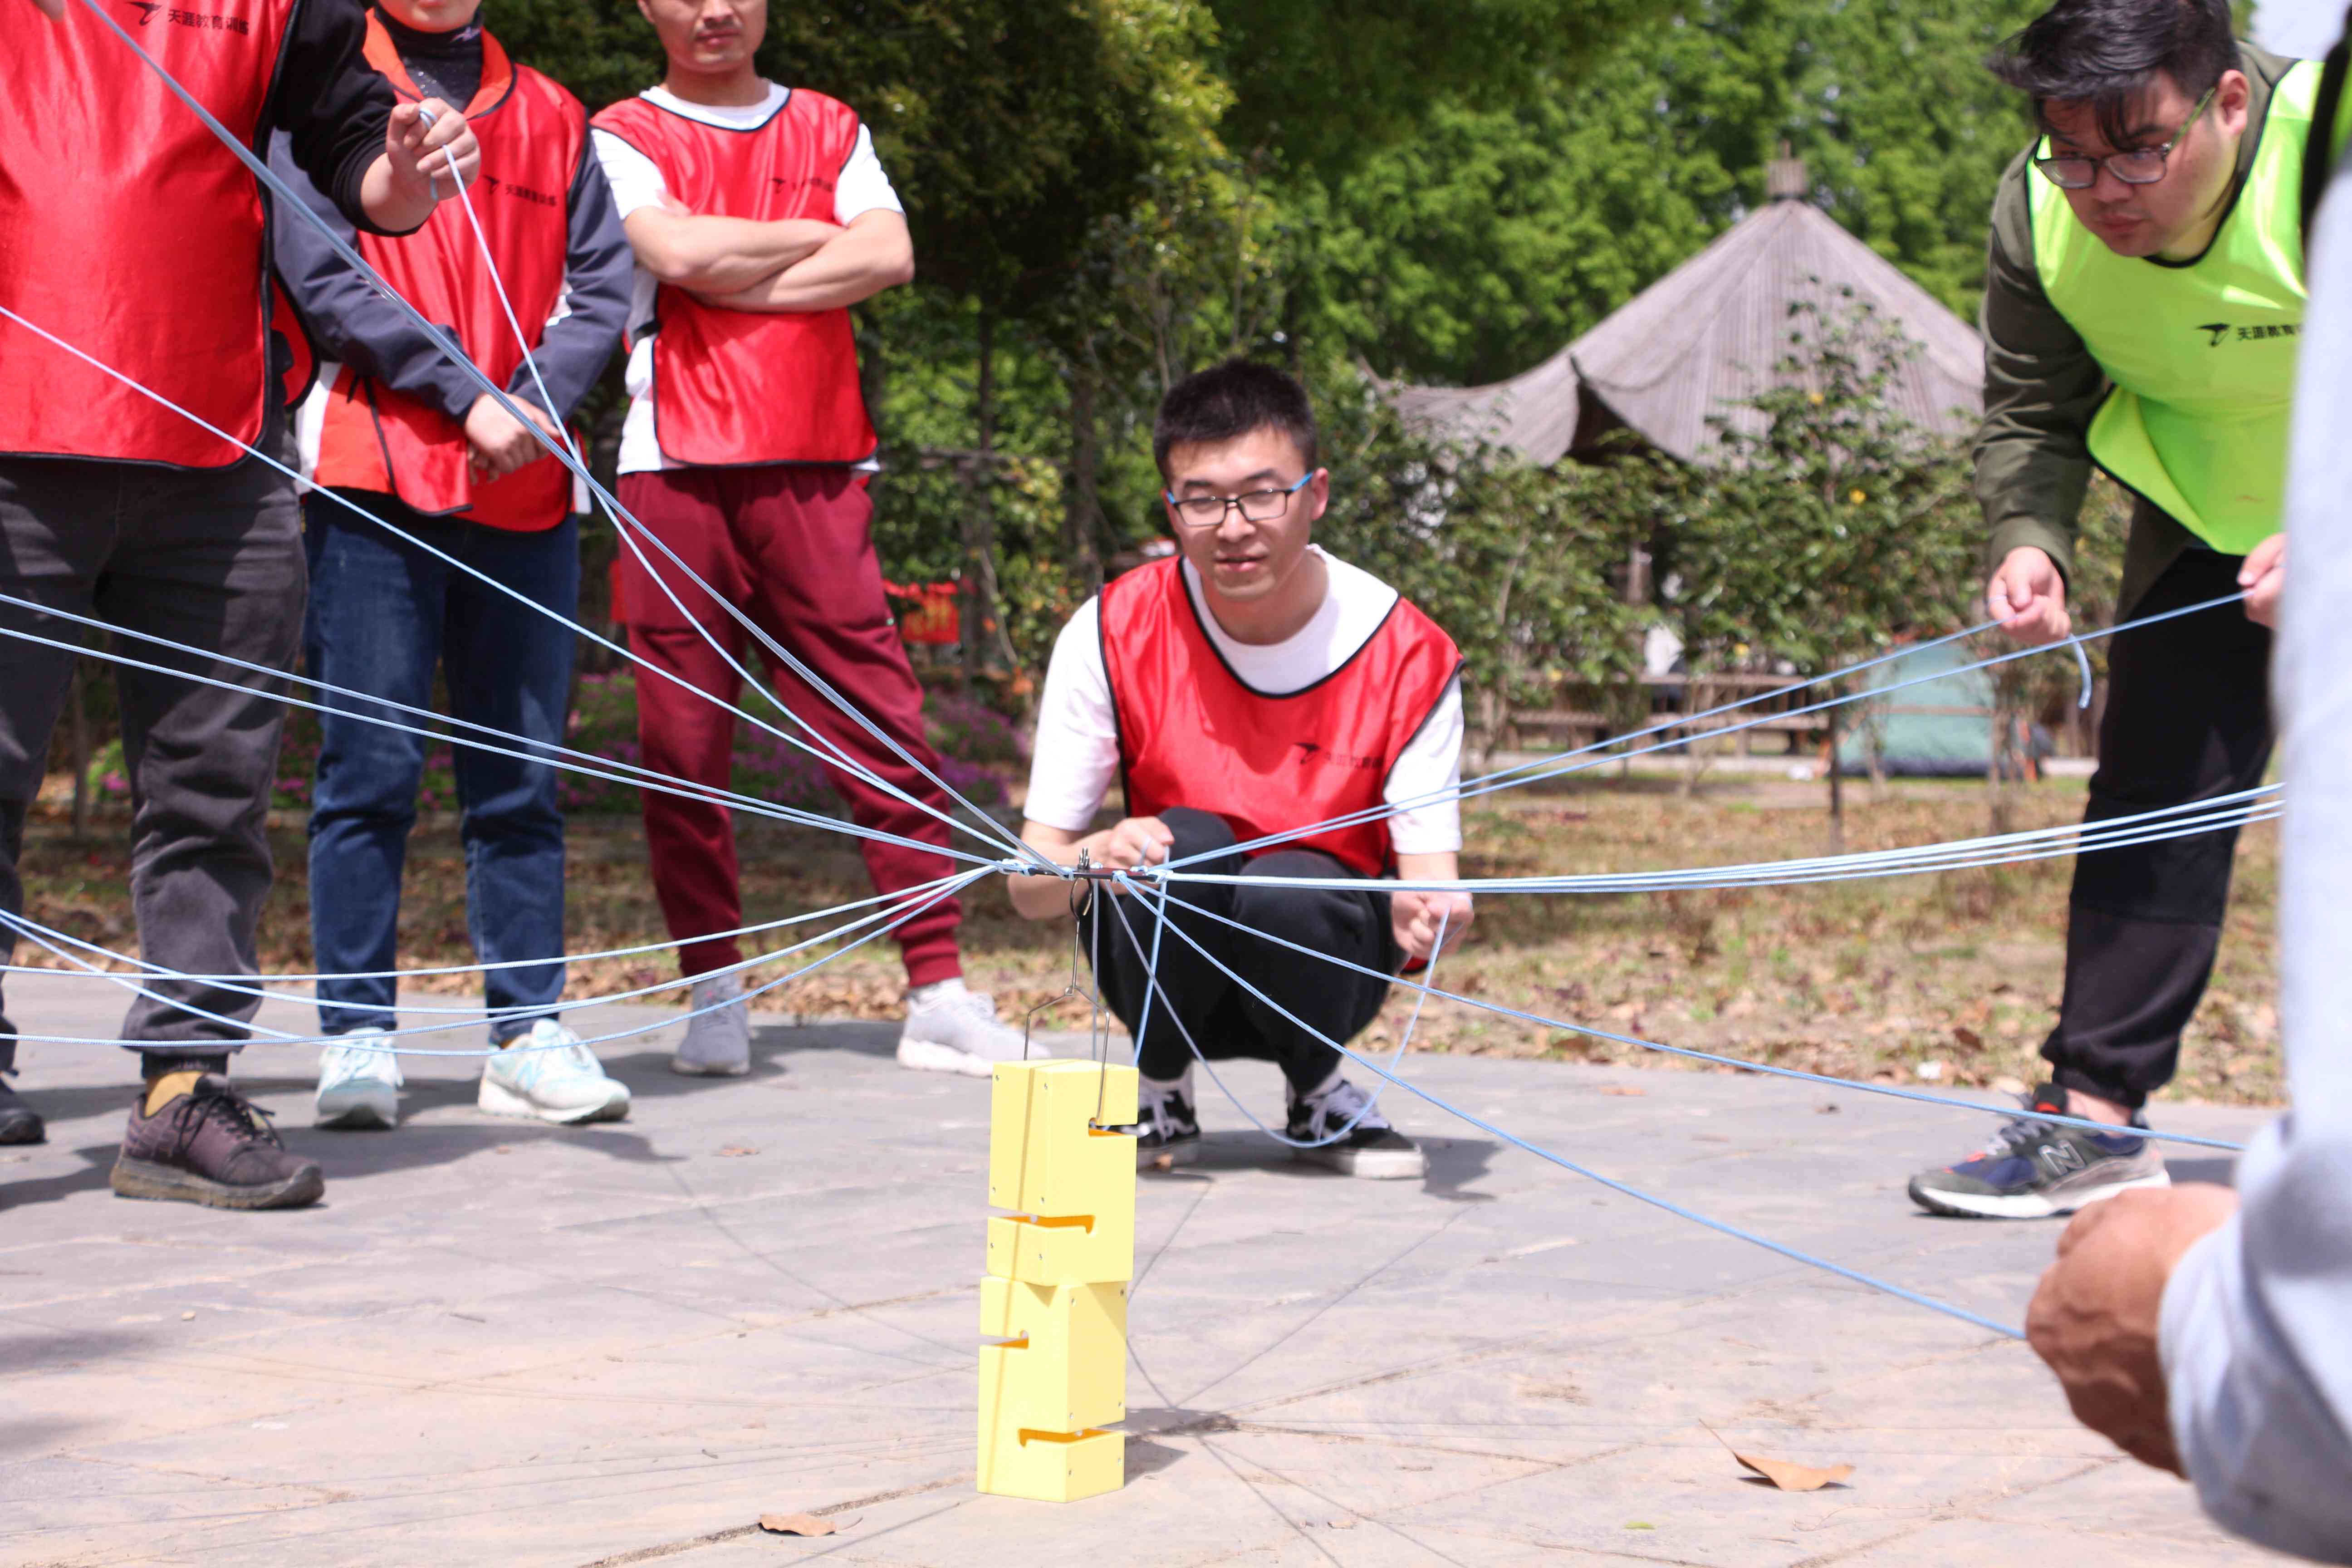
point(549, 1074)
point(359, 1084)
point(717, 1044)
point(1373, 1149)
point(951, 1029)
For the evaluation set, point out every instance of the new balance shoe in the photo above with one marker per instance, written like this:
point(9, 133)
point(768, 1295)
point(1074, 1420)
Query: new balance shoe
point(549, 1075)
point(1167, 1133)
point(951, 1029)
point(19, 1122)
point(1372, 1149)
point(2032, 1169)
point(211, 1145)
point(359, 1084)
point(718, 1041)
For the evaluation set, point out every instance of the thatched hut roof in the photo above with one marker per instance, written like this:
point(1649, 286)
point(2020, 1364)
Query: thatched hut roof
point(1710, 334)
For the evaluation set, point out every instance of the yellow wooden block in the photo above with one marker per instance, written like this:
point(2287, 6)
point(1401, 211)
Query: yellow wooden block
point(1052, 1467)
point(1065, 1368)
point(1086, 1250)
point(1047, 1154)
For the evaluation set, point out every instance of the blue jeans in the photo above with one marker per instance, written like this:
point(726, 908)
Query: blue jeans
point(382, 614)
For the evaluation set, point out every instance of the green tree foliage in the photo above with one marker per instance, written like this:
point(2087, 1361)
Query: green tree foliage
point(1833, 527)
point(1510, 224)
point(1328, 82)
point(1514, 562)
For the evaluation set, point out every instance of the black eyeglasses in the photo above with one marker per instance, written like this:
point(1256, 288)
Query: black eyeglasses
point(2140, 166)
point(1256, 506)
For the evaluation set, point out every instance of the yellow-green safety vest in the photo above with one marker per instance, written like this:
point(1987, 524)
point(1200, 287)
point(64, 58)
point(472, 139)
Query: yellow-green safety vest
point(2201, 357)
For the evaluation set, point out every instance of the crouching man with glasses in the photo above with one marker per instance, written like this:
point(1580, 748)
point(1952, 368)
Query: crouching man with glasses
point(2143, 306)
point(1253, 687)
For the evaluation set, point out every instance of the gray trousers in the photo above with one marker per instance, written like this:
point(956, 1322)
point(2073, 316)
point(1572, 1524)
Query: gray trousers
point(212, 560)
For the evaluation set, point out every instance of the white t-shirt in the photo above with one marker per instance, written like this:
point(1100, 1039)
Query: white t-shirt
point(1076, 756)
point(637, 183)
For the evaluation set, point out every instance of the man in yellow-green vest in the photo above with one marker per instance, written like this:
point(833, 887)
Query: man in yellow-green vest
point(2143, 306)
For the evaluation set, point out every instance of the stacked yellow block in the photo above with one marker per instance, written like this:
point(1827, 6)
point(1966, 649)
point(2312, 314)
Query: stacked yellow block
point(1056, 1293)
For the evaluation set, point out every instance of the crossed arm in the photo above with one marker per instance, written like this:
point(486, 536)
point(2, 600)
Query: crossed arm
point(790, 264)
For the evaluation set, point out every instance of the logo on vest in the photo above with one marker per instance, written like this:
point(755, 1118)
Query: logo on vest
point(806, 182)
point(203, 21)
point(498, 187)
point(1309, 750)
point(2218, 332)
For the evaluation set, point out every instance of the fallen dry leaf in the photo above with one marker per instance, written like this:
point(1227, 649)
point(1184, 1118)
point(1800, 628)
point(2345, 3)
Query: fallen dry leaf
point(1621, 1089)
point(1968, 1037)
point(1792, 1478)
point(800, 1524)
point(735, 1150)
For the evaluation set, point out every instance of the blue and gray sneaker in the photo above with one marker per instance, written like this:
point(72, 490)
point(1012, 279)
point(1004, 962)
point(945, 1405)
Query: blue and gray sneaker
point(2033, 1170)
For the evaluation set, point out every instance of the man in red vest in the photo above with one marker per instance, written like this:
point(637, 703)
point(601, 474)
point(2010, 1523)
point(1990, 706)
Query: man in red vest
point(398, 430)
point(127, 230)
point(1251, 686)
point(760, 215)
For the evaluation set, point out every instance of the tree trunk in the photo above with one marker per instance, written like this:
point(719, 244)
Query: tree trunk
point(1082, 522)
point(1837, 790)
point(979, 516)
point(78, 730)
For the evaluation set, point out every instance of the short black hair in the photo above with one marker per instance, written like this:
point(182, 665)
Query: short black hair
point(1227, 402)
point(2106, 52)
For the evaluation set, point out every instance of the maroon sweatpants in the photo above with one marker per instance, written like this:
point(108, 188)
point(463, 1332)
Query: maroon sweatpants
point(790, 546)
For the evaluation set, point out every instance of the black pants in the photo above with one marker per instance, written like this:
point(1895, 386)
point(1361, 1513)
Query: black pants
point(2188, 719)
point(1223, 1017)
point(212, 560)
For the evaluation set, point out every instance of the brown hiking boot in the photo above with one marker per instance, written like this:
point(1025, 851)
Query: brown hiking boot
point(212, 1146)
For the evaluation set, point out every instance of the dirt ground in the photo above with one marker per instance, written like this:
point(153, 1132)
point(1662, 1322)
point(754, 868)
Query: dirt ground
point(1948, 979)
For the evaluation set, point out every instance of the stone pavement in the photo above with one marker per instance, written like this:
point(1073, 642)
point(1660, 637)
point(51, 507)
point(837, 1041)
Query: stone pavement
point(497, 1342)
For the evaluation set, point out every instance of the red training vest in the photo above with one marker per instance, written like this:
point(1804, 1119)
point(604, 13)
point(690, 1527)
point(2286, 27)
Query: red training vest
point(1190, 732)
point(130, 232)
point(533, 134)
point(737, 387)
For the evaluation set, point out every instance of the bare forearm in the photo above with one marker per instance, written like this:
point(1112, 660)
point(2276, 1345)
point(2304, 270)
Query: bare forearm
point(1432, 866)
point(858, 263)
point(1048, 897)
point(716, 255)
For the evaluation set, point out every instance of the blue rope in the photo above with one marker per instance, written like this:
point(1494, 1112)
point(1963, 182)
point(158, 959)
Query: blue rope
point(542, 753)
point(1151, 974)
point(2218, 814)
point(1679, 1211)
point(1547, 770)
point(351, 1042)
point(1745, 1066)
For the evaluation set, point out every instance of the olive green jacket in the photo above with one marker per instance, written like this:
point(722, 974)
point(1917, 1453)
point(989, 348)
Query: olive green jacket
point(2042, 386)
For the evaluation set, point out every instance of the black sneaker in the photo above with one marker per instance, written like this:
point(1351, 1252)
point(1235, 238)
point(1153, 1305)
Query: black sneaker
point(212, 1146)
point(1373, 1150)
point(1169, 1135)
point(19, 1122)
point(2033, 1170)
